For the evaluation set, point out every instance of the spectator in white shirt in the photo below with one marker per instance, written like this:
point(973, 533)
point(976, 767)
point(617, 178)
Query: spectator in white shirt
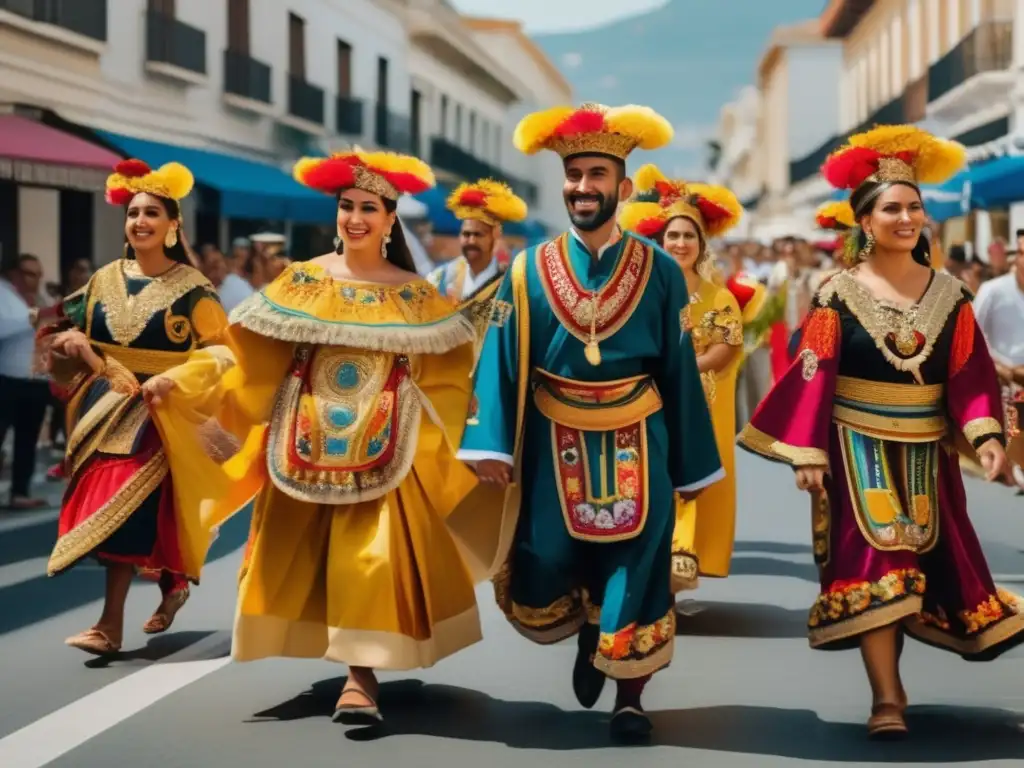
point(24, 395)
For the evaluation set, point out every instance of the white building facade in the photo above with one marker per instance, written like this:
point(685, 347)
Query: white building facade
point(260, 82)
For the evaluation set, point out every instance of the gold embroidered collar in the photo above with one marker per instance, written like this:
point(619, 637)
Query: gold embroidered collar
point(905, 337)
point(127, 314)
point(594, 316)
point(307, 305)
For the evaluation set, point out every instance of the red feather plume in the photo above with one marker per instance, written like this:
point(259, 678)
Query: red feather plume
point(408, 183)
point(119, 196)
point(582, 121)
point(330, 175)
point(740, 290)
point(826, 222)
point(710, 211)
point(649, 227)
point(132, 169)
point(473, 198)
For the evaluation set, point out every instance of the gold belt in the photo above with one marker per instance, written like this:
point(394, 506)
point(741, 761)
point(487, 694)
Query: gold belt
point(595, 406)
point(909, 413)
point(147, 362)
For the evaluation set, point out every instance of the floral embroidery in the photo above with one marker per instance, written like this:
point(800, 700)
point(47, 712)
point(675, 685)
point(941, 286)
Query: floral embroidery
point(810, 364)
point(846, 600)
point(963, 340)
point(501, 311)
point(988, 612)
point(635, 642)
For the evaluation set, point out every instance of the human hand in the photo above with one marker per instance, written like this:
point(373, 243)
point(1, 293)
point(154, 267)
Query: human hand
point(811, 478)
point(993, 459)
point(156, 389)
point(494, 472)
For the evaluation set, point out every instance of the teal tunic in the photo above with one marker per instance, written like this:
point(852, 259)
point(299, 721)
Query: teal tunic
point(556, 580)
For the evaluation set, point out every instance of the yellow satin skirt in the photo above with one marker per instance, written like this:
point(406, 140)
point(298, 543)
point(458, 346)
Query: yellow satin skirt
point(377, 584)
point(705, 530)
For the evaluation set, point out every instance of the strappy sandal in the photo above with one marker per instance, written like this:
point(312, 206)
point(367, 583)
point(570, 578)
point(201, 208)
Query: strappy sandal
point(163, 618)
point(94, 641)
point(886, 722)
point(356, 707)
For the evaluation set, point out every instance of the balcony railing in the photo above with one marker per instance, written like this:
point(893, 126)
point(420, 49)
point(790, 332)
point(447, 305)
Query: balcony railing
point(246, 77)
point(527, 190)
point(84, 17)
point(392, 130)
point(449, 157)
point(988, 48)
point(808, 165)
point(169, 41)
point(305, 100)
point(348, 116)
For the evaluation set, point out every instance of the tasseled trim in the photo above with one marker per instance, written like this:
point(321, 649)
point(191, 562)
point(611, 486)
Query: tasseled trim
point(437, 337)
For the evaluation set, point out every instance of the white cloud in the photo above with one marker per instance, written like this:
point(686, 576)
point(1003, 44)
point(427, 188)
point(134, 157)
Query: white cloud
point(691, 136)
point(572, 60)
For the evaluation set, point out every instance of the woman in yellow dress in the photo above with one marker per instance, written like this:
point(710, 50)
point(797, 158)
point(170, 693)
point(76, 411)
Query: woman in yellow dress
point(682, 218)
point(351, 387)
point(126, 505)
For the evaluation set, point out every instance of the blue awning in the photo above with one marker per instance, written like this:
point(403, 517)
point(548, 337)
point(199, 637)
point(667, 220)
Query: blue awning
point(441, 219)
point(248, 189)
point(941, 201)
point(997, 183)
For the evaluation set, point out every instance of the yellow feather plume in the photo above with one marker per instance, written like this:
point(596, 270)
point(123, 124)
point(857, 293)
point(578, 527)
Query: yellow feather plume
point(935, 159)
point(500, 202)
point(534, 130)
point(724, 199)
point(840, 211)
point(647, 176)
point(631, 214)
point(176, 179)
point(651, 130)
point(303, 166)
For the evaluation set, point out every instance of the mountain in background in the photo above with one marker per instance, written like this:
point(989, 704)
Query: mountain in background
point(685, 59)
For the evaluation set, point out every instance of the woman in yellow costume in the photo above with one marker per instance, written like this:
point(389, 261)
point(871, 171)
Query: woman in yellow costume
point(682, 218)
point(351, 388)
point(138, 316)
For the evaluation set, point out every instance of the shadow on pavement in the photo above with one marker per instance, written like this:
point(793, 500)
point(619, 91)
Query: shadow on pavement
point(938, 734)
point(743, 620)
point(42, 597)
point(770, 566)
point(410, 707)
point(157, 649)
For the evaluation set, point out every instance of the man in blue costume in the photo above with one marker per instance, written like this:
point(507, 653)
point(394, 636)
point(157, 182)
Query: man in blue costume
point(588, 408)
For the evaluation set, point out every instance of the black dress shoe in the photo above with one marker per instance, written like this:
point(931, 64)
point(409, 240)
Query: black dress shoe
point(630, 725)
point(587, 680)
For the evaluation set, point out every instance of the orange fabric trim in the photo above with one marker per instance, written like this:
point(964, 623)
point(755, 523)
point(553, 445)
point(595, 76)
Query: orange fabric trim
point(963, 339)
point(821, 333)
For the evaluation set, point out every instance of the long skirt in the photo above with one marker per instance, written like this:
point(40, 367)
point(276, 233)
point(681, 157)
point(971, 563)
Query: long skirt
point(377, 584)
point(120, 509)
point(923, 567)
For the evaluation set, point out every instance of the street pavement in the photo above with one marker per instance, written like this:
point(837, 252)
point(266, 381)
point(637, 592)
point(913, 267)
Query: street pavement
point(744, 689)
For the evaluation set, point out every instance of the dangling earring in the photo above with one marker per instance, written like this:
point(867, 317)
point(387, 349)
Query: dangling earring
point(869, 247)
point(171, 239)
point(384, 246)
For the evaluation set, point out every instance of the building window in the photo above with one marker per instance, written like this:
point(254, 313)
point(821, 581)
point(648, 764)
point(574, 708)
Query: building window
point(458, 124)
point(497, 144)
point(163, 7)
point(415, 119)
point(296, 47)
point(344, 69)
point(443, 120)
point(382, 81)
point(238, 26)
point(472, 131)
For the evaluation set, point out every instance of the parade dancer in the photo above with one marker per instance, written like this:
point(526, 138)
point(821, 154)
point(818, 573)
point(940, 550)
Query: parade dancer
point(482, 207)
point(682, 218)
point(588, 407)
point(349, 398)
point(891, 363)
point(137, 318)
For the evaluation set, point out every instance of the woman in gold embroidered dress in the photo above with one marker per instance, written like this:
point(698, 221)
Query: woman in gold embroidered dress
point(891, 365)
point(682, 218)
point(351, 388)
point(138, 316)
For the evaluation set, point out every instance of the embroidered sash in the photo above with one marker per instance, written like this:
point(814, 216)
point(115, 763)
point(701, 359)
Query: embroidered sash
point(599, 445)
point(343, 427)
point(893, 489)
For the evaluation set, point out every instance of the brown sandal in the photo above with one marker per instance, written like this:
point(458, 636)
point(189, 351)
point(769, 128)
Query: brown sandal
point(886, 722)
point(356, 707)
point(94, 641)
point(162, 619)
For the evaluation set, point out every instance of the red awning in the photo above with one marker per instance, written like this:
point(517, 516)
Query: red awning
point(28, 141)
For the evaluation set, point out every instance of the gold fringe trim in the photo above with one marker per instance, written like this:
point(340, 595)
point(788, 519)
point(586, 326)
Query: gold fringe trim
point(435, 338)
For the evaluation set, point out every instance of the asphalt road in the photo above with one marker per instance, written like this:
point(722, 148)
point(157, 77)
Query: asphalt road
point(744, 689)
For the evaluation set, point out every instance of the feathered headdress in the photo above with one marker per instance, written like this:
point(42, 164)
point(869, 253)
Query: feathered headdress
point(387, 174)
point(836, 216)
point(893, 153)
point(657, 200)
point(592, 128)
point(130, 177)
point(488, 201)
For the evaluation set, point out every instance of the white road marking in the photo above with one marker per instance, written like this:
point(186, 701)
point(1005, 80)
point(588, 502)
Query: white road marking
point(59, 732)
point(24, 570)
point(11, 520)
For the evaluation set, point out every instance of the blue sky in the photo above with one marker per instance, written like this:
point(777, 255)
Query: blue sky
point(558, 15)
